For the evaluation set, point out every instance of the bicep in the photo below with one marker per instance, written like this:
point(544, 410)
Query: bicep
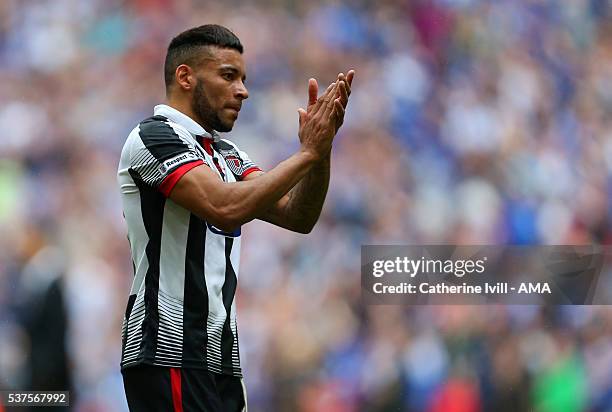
point(199, 190)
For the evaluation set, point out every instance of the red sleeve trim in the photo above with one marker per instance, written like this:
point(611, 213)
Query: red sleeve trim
point(172, 179)
point(249, 171)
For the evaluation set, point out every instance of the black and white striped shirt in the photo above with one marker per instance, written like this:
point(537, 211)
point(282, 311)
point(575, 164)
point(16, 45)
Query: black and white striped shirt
point(181, 310)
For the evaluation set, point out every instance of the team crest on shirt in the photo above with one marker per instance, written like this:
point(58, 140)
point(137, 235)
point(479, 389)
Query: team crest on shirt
point(233, 160)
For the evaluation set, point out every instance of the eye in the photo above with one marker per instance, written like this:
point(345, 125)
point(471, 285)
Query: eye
point(227, 76)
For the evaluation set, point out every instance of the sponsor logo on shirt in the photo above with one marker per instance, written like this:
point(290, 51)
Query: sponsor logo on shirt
point(177, 160)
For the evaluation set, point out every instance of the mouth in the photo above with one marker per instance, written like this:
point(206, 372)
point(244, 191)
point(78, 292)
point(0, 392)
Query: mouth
point(232, 112)
point(235, 108)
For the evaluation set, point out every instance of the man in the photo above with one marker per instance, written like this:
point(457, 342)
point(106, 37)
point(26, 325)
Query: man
point(185, 194)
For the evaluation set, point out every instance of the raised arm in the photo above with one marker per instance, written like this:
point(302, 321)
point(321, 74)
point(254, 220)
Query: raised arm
point(300, 209)
point(229, 205)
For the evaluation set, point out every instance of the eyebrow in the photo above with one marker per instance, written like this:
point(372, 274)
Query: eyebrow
point(232, 68)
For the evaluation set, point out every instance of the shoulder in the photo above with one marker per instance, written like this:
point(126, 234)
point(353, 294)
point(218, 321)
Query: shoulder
point(160, 128)
point(154, 125)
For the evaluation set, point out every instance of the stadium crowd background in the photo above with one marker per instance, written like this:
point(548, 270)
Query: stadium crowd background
point(471, 122)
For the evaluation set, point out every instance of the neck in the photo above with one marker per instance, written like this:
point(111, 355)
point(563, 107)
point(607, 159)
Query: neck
point(185, 107)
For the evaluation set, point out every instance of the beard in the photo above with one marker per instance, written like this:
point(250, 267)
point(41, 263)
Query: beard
point(203, 110)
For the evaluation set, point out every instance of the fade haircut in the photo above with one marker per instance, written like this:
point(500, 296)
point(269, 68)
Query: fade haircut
point(186, 48)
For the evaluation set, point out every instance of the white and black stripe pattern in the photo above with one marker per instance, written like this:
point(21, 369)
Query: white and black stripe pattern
point(170, 334)
point(181, 311)
point(214, 326)
point(132, 331)
point(235, 351)
point(160, 148)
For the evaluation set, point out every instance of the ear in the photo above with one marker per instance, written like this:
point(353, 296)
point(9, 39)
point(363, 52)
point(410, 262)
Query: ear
point(185, 77)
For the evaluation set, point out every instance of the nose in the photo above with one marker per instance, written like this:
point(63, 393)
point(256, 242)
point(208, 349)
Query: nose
point(241, 91)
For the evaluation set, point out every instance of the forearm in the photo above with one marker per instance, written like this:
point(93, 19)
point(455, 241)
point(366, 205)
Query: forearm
point(229, 205)
point(304, 202)
point(244, 201)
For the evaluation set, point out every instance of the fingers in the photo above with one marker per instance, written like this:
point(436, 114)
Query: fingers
point(324, 100)
point(302, 116)
point(345, 89)
point(329, 92)
point(330, 100)
point(325, 105)
point(344, 94)
point(348, 85)
point(313, 90)
point(349, 77)
point(338, 112)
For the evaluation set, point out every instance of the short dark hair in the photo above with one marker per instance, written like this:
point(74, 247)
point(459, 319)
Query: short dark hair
point(185, 48)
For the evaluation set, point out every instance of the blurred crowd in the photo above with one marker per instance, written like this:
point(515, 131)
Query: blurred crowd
point(470, 122)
